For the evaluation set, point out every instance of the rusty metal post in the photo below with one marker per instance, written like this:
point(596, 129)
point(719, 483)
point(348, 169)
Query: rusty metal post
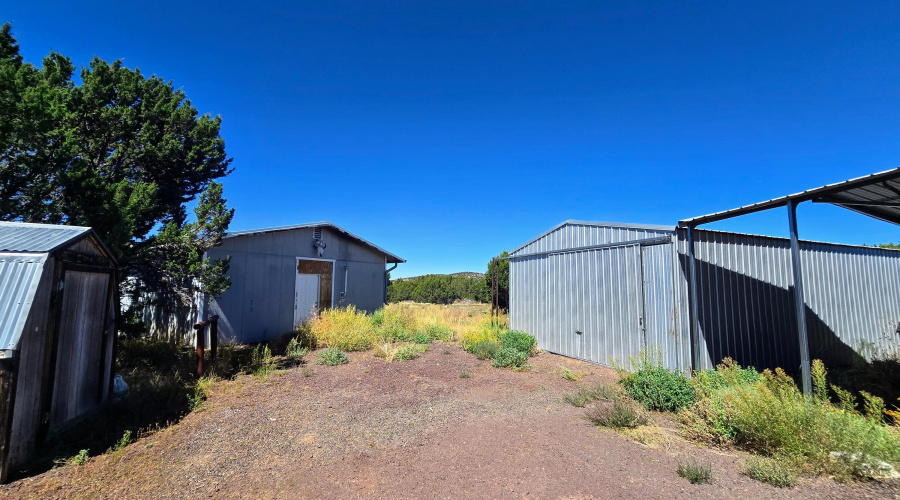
point(213, 339)
point(200, 328)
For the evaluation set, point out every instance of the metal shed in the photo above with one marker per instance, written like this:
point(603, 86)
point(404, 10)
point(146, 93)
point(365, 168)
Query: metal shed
point(603, 291)
point(57, 327)
point(282, 275)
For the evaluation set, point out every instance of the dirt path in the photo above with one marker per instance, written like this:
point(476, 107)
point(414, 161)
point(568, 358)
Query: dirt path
point(407, 430)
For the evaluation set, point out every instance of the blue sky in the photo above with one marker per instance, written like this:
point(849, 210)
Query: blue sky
point(448, 131)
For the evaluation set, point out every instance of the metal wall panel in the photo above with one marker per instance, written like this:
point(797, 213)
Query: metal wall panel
point(596, 292)
point(745, 298)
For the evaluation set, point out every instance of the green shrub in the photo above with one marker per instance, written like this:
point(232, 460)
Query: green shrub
point(520, 341)
point(395, 325)
point(409, 351)
point(332, 357)
point(464, 374)
point(421, 338)
point(695, 472)
point(772, 417)
point(80, 459)
point(658, 389)
point(294, 351)
point(485, 332)
point(508, 357)
point(485, 349)
point(122, 443)
point(440, 332)
point(727, 374)
point(261, 362)
point(770, 471)
point(619, 414)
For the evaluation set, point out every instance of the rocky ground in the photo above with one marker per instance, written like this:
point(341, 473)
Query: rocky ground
point(414, 429)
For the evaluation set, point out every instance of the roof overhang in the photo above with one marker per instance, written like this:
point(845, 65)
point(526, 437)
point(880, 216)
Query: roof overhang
point(391, 258)
point(876, 195)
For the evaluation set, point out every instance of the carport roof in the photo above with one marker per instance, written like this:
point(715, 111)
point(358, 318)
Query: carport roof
point(876, 195)
point(391, 258)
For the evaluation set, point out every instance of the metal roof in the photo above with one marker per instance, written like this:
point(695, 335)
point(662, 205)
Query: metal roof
point(20, 275)
point(37, 238)
point(876, 195)
point(651, 227)
point(391, 258)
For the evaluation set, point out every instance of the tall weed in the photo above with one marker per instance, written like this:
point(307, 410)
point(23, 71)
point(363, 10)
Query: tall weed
point(346, 329)
point(772, 417)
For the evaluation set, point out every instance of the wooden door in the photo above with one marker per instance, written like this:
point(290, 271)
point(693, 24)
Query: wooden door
point(82, 329)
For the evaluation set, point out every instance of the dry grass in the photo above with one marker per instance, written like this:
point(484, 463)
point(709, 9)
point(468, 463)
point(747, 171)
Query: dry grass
point(345, 329)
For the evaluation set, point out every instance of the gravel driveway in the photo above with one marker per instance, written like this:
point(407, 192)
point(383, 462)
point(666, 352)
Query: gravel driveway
point(412, 429)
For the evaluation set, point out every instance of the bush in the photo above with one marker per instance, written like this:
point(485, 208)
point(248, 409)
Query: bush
point(345, 329)
point(485, 332)
point(772, 417)
point(410, 351)
point(727, 374)
point(80, 459)
point(332, 357)
point(294, 351)
point(261, 362)
point(618, 414)
point(517, 340)
point(485, 349)
point(658, 389)
point(421, 338)
point(440, 332)
point(770, 471)
point(508, 357)
point(695, 473)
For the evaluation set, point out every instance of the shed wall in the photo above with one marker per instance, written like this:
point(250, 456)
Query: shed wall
point(259, 305)
point(746, 308)
point(27, 408)
point(745, 296)
point(621, 298)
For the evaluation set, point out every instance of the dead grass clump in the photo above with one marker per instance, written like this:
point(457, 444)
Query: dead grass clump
point(618, 414)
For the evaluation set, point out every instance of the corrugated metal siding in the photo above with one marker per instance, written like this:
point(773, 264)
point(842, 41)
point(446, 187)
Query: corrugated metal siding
point(580, 234)
point(598, 292)
point(23, 237)
point(19, 279)
point(661, 306)
point(746, 307)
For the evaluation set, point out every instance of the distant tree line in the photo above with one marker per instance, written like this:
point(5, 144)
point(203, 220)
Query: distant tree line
point(439, 289)
point(448, 288)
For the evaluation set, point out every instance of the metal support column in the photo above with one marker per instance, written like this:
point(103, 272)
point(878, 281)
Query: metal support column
point(799, 302)
point(695, 306)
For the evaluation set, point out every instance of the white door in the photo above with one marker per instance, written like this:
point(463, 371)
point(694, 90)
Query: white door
point(306, 297)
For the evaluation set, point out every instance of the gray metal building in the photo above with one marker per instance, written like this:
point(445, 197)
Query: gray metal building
point(601, 292)
point(57, 328)
point(280, 276)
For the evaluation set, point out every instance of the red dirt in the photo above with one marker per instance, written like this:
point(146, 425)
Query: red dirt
point(411, 429)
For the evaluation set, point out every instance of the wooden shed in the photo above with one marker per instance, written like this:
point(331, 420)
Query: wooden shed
point(57, 325)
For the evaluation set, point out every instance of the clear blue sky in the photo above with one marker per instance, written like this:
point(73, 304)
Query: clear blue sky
point(448, 131)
